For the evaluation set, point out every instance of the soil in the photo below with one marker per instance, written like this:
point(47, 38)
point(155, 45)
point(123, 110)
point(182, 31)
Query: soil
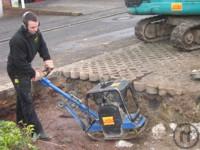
point(67, 135)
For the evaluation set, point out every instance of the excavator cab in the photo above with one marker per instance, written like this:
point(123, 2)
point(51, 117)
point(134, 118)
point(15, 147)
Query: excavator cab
point(132, 3)
point(163, 7)
point(178, 21)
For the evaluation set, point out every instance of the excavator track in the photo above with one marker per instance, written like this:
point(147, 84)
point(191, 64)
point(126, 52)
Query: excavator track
point(186, 36)
point(153, 29)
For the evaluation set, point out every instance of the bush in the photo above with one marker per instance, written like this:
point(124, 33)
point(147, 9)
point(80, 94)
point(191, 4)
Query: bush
point(14, 138)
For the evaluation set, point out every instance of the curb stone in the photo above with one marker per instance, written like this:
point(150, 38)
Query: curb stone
point(17, 11)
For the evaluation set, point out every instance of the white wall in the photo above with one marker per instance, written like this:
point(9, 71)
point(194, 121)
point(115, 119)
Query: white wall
point(23, 4)
point(1, 8)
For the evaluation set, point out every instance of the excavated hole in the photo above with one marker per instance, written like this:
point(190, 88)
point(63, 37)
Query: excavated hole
point(156, 108)
point(64, 130)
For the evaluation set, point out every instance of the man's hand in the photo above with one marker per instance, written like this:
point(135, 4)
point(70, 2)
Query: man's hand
point(48, 64)
point(38, 75)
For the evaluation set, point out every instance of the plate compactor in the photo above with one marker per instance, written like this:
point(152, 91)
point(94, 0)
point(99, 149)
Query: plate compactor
point(110, 110)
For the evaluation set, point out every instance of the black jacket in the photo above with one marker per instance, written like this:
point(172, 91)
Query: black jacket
point(23, 48)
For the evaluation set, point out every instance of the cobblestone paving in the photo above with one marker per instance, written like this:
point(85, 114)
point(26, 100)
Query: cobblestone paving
point(157, 68)
point(154, 68)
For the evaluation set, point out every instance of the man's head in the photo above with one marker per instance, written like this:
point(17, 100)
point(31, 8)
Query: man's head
point(31, 22)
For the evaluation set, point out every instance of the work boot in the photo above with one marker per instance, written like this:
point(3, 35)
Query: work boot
point(195, 74)
point(41, 136)
point(44, 136)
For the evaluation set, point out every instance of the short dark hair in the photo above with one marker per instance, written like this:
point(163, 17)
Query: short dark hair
point(29, 16)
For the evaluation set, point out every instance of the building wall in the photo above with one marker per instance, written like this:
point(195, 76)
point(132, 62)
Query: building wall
point(6, 3)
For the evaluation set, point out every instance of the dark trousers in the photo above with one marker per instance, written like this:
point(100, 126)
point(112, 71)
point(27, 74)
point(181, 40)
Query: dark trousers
point(24, 106)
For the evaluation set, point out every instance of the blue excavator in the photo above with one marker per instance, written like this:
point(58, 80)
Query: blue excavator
point(177, 20)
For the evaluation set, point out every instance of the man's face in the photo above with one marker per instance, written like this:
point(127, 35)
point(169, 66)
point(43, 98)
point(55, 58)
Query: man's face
point(33, 26)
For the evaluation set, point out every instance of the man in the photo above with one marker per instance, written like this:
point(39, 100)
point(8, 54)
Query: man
point(24, 45)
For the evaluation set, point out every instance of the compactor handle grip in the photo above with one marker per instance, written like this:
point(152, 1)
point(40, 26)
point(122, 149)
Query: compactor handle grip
point(47, 71)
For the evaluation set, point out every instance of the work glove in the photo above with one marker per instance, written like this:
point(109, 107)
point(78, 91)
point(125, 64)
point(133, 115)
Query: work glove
point(38, 75)
point(48, 64)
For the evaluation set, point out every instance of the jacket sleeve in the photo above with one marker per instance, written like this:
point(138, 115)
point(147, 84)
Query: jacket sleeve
point(43, 50)
point(19, 57)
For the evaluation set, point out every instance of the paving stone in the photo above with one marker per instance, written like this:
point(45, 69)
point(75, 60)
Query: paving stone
point(56, 74)
point(179, 92)
point(106, 77)
point(112, 77)
point(74, 74)
point(6, 86)
point(139, 86)
point(152, 89)
point(7, 90)
point(133, 77)
point(162, 92)
point(167, 68)
point(138, 75)
point(2, 94)
point(10, 92)
point(84, 75)
point(66, 74)
point(134, 63)
point(66, 71)
point(175, 92)
point(171, 91)
point(93, 77)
